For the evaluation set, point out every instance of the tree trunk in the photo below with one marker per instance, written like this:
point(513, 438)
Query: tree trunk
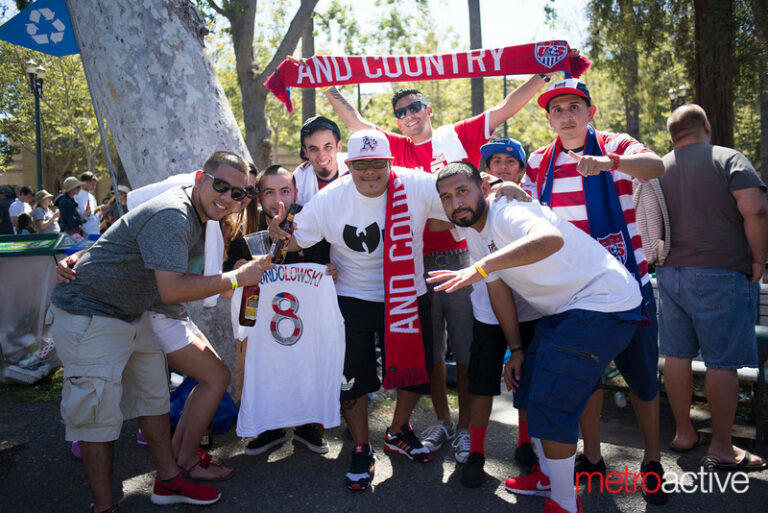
point(631, 102)
point(476, 41)
point(308, 105)
point(158, 91)
point(713, 69)
point(241, 15)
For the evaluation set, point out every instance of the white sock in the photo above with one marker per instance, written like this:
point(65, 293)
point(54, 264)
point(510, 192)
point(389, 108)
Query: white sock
point(561, 479)
point(542, 460)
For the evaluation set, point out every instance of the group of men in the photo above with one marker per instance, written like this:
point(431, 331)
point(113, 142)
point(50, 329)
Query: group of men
point(566, 289)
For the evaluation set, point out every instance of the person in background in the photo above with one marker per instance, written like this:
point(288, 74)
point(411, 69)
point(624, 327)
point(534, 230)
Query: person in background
point(44, 215)
point(112, 213)
point(6, 196)
point(87, 205)
point(708, 285)
point(25, 225)
point(70, 219)
point(21, 205)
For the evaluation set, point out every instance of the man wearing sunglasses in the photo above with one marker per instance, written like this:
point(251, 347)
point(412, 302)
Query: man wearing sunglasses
point(321, 147)
point(429, 149)
point(112, 372)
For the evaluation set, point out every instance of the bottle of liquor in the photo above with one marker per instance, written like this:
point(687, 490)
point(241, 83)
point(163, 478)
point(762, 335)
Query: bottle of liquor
point(279, 248)
point(248, 305)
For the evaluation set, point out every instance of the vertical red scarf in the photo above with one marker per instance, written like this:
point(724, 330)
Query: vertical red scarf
point(403, 344)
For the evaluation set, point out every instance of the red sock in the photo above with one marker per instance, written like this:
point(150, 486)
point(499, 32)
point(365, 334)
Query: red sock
point(477, 439)
point(522, 433)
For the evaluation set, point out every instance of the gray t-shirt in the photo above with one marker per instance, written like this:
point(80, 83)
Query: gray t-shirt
point(707, 228)
point(40, 214)
point(116, 277)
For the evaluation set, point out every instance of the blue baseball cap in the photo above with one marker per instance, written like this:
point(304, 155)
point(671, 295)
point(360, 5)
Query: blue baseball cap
point(503, 145)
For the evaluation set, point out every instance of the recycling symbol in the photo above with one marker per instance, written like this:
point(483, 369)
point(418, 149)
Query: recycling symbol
point(55, 27)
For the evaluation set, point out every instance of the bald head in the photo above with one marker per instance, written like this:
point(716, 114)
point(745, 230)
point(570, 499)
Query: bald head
point(688, 125)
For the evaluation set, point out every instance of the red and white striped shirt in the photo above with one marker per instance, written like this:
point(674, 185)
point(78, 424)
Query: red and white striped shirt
point(567, 199)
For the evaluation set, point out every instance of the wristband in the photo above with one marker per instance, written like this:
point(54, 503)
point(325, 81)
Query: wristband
point(481, 271)
point(616, 160)
point(515, 349)
point(544, 77)
point(233, 280)
point(496, 182)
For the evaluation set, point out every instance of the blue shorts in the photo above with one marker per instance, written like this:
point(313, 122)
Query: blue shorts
point(569, 352)
point(709, 310)
point(639, 362)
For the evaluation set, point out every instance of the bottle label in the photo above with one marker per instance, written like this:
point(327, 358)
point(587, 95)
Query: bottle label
point(251, 304)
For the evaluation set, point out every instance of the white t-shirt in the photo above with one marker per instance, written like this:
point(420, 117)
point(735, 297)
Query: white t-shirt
point(295, 358)
point(580, 275)
point(481, 301)
point(353, 224)
point(306, 179)
point(18, 207)
point(90, 223)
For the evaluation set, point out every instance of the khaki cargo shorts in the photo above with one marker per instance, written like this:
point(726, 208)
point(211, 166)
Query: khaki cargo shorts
point(113, 371)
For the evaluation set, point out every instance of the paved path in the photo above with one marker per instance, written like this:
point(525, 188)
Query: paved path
point(38, 473)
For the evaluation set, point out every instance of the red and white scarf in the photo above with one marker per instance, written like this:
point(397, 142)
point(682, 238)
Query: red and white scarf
point(325, 71)
point(403, 344)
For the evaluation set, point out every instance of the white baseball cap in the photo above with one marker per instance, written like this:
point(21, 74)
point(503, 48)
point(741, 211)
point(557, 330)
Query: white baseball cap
point(368, 144)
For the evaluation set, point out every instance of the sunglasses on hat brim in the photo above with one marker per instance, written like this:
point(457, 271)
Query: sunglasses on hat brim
point(413, 107)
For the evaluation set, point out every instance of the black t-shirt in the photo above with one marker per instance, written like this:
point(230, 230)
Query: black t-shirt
point(6, 228)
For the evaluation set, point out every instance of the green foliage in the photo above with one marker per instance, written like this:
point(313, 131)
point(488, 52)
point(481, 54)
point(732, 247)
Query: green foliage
point(70, 137)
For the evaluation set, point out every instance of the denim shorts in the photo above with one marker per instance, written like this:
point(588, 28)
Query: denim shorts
point(452, 318)
point(569, 352)
point(712, 311)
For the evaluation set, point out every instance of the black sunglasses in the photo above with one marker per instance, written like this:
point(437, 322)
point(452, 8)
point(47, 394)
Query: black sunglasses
point(221, 186)
point(251, 191)
point(413, 107)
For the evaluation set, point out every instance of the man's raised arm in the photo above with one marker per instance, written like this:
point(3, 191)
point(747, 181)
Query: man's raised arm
point(346, 112)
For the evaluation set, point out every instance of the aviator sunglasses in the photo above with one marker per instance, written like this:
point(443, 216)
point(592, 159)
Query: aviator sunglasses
point(362, 165)
point(413, 107)
point(237, 193)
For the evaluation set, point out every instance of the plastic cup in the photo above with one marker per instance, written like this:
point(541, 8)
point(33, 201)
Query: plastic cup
point(258, 243)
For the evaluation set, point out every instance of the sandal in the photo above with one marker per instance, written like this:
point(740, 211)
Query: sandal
point(745, 465)
point(700, 440)
point(206, 460)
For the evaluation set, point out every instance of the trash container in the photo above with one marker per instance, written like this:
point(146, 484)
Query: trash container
point(28, 275)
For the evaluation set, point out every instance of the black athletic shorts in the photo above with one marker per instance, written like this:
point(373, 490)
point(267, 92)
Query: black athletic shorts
point(363, 320)
point(486, 356)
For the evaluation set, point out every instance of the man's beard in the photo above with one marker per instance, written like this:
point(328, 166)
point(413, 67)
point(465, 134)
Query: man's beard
point(477, 213)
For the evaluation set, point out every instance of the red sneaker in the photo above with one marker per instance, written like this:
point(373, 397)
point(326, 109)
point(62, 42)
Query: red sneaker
point(183, 490)
point(536, 483)
point(553, 507)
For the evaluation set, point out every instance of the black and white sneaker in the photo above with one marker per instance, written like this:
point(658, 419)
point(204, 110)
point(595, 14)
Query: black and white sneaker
point(526, 456)
point(311, 435)
point(406, 442)
point(362, 468)
point(472, 473)
point(265, 441)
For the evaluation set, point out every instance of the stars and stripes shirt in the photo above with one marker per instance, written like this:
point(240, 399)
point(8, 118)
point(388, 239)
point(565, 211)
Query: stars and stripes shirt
point(568, 200)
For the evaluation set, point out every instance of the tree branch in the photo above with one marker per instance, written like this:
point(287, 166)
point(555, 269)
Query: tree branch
point(218, 9)
point(291, 39)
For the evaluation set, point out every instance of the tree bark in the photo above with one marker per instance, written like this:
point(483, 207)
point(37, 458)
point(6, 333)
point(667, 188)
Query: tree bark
point(476, 41)
point(713, 68)
point(157, 88)
point(241, 15)
point(308, 96)
point(631, 102)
